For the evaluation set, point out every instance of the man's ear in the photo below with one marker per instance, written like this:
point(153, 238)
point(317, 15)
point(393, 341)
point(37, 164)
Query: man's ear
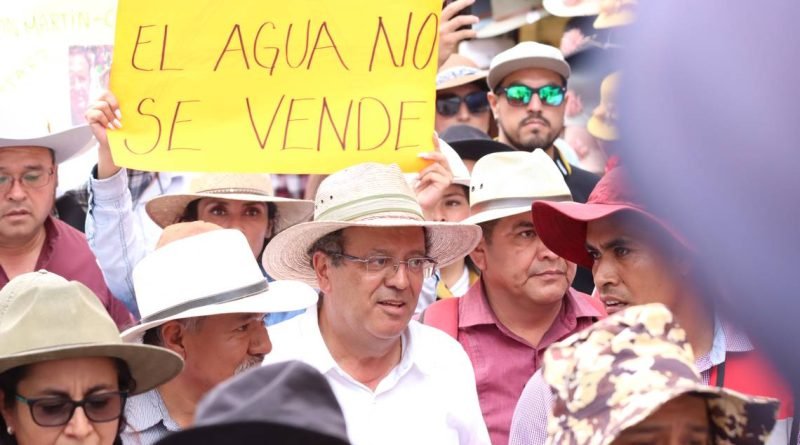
point(174, 336)
point(322, 267)
point(492, 98)
point(478, 255)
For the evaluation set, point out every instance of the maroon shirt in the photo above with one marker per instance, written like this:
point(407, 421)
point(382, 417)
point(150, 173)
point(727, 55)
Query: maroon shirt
point(503, 361)
point(66, 253)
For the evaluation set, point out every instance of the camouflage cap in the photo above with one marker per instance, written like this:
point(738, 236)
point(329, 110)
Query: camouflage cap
point(621, 370)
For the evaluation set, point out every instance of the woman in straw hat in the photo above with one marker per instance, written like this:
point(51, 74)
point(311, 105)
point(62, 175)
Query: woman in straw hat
point(65, 373)
point(234, 201)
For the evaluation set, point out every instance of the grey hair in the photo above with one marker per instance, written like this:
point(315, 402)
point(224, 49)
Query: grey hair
point(155, 337)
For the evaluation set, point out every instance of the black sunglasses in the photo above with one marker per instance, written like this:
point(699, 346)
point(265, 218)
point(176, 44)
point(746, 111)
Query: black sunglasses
point(521, 95)
point(57, 411)
point(448, 104)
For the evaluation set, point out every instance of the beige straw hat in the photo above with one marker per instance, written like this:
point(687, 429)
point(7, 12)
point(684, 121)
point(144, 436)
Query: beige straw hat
point(507, 183)
point(365, 195)
point(604, 121)
point(167, 209)
point(45, 317)
point(614, 13)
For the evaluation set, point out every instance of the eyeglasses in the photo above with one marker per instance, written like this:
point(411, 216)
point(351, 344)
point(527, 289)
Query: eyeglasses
point(521, 95)
point(33, 179)
point(57, 411)
point(381, 264)
point(449, 104)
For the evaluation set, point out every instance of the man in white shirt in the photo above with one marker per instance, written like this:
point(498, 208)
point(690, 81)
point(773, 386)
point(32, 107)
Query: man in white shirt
point(368, 251)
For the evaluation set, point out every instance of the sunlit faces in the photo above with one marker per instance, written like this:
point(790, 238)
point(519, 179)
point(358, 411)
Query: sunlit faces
point(221, 346)
point(515, 262)
point(536, 125)
point(454, 205)
point(630, 267)
point(23, 209)
point(74, 378)
point(478, 119)
point(681, 421)
point(251, 218)
point(368, 304)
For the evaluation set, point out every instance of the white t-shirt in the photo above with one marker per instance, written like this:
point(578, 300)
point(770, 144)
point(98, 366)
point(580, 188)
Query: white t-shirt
point(428, 398)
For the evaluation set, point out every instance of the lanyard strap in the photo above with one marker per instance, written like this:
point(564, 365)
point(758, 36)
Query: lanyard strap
point(721, 375)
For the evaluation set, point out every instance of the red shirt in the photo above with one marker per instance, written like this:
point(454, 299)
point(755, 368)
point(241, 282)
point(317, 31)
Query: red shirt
point(503, 361)
point(66, 253)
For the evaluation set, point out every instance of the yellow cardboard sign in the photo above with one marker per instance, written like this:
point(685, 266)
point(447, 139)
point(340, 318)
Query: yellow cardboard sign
point(301, 86)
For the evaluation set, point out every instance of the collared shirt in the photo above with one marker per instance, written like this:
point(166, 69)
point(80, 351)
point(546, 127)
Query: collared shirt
point(504, 361)
point(118, 228)
point(529, 426)
point(429, 397)
point(147, 419)
point(66, 253)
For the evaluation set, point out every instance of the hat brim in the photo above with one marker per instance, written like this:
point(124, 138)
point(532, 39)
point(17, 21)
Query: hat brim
point(503, 70)
point(758, 409)
point(614, 20)
point(65, 144)
point(167, 209)
point(490, 215)
point(474, 149)
point(561, 9)
point(562, 226)
point(495, 27)
point(244, 433)
point(601, 130)
point(282, 296)
point(458, 81)
point(150, 366)
point(286, 257)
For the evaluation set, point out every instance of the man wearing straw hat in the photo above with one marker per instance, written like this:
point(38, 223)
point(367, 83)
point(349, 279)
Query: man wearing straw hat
point(523, 301)
point(30, 238)
point(202, 296)
point(368, 250)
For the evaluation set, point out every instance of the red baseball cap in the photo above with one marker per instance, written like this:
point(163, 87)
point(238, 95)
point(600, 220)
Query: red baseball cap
point(562, 225)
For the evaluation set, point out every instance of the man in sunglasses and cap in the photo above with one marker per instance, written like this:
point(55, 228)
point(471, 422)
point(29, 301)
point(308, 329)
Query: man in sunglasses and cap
point(528, 87)
point(368, 250)
point(30, 238)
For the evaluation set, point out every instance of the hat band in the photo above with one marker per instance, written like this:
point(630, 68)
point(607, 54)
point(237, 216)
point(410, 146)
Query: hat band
point(372, 205)
point(231, 190)
point(223, 297)
point(510, 203)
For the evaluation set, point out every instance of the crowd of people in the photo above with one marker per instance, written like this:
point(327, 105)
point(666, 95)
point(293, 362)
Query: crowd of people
point(518, 290)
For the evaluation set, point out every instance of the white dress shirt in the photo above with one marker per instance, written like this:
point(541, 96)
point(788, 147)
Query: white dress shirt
point(428, 398)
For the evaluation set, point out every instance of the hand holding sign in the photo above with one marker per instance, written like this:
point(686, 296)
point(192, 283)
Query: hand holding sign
point(311, 87)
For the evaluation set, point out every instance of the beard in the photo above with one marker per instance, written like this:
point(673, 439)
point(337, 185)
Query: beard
point(251, 362)
point(541, 139)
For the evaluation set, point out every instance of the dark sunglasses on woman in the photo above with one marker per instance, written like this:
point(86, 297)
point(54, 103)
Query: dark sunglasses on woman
point(58, 410)
point(449, 104)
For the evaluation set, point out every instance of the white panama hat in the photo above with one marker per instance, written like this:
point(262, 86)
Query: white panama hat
point(64, 144)
point(208, 274)
point(507, 183)
point(364, 195)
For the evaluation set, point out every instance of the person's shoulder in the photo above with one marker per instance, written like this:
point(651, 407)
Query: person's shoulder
point(581, 183)
point(436, 345)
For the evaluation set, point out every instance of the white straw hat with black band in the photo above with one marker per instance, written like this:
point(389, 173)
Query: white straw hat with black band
point(208, 274)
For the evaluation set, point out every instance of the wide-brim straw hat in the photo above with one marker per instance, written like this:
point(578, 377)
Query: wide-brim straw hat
point(64, 144)
point(621, 370)
point(604, 120)
point(211, 273)
point(365, 195)
point(614, 13)
point(458, 70)
point(168, 209)
point(562, 226)
point(507, 183)
point(578, 8)
point(45, 317)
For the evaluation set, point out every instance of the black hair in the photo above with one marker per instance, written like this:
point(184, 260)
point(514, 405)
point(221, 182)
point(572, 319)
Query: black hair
point(9, 381)
point(190, 213)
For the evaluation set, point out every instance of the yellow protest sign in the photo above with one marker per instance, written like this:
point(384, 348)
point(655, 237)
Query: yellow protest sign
point(301, 86)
